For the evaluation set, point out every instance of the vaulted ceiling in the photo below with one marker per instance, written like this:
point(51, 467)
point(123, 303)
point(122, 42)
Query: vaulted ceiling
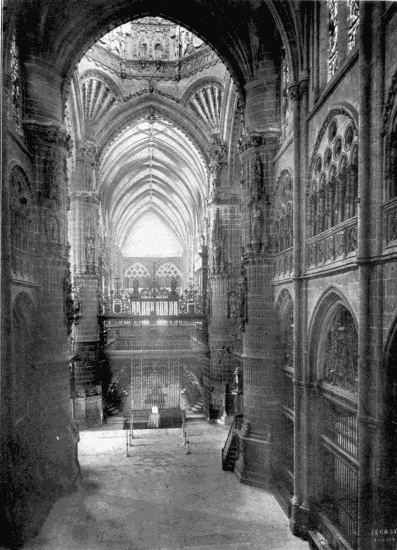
point(152, 143)
point(153, 167)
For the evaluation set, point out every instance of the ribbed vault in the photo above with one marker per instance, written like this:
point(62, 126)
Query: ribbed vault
point(152, 167)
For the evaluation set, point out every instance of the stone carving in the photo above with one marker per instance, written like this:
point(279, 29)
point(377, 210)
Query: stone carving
point(218, 246)
point(232, 305)
point(52, 228)
point(249, 141)
point(90, 255)
point(257, 224)
point(340, 353)
point(242, 300)
point(69, 310)
point(217, 155)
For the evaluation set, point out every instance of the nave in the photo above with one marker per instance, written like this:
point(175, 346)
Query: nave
point(160, 498)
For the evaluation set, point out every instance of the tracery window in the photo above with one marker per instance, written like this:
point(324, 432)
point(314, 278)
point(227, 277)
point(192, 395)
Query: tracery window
point(353, 19)
point(333, 26)
point(15, 84)
point(136, 271)
point(166, 272)
point(333, 176)
point(20, 224)
point(283, 234)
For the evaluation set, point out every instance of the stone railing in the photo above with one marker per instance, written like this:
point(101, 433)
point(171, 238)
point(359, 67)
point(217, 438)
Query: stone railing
point(283, 263)
point(390, 223)
point(332, 245)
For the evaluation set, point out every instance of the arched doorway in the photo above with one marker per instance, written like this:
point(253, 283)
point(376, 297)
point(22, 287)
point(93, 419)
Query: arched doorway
point(334, 358)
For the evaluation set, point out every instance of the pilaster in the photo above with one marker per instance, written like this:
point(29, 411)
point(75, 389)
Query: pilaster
point(83, 232)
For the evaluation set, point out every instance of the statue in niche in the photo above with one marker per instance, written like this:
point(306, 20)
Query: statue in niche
point(232, 305)
point(89, 254)
point(135, 286)
point(52, 229)
point(257, 224)
point(143, 50)
point(242, 308)
point(173, 285)
point(218, 257)
point(257, 183)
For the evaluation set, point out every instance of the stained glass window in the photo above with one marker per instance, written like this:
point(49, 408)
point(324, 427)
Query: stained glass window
point(333, 37)
point(15, 84)
point(353, 22)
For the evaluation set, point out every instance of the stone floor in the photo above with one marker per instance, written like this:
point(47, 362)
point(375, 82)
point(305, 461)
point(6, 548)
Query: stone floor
point(162, 499)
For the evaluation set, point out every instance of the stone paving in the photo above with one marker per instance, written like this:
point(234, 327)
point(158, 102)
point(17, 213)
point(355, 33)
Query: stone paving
point(162, 499)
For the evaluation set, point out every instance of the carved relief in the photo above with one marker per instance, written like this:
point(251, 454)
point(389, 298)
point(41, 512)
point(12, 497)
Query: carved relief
point(219, 266)
point(232, 305)
point(340, 352)
point(242, 300)
point(217, 156)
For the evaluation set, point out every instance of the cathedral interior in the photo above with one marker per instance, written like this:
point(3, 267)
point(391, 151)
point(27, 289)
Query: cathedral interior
point(199, 204)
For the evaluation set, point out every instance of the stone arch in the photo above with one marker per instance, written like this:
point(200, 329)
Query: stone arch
point(193, 88)
point(322, 315)
point(333, 357)
point(101, 75)
point(55, 36)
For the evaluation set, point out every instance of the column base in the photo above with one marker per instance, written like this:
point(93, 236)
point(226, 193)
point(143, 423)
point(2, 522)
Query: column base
point(299, 521)
point(226, 419)
point(88, 411)
point(253, 466)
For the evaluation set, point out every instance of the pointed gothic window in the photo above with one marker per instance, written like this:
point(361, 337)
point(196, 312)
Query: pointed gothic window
point(333, 26)
point(353, 19)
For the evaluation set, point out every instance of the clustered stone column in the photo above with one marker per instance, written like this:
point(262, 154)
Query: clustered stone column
point(258, 319)
point(84, 214)
point(49, 146)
